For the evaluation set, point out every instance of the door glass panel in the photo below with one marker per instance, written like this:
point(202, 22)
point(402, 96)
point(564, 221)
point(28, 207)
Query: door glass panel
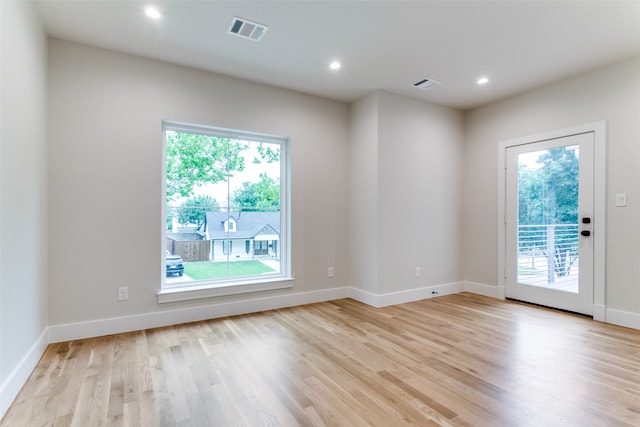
point(548, 189)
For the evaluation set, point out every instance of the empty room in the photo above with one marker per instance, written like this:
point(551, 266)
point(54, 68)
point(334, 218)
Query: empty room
point(292, 213)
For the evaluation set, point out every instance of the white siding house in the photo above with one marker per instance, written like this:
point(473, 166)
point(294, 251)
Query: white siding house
point(243, 235)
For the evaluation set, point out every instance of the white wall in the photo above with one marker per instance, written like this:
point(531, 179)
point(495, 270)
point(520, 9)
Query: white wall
point(612, 94)
point(406, 159)
point(363, 194)
point(419, 199)
point(105, 161)
point(23, 196)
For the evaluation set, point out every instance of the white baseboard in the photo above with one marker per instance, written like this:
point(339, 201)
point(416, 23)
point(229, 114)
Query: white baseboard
point(599, 312)
point(486, 290)
point(410, 295)
point(115, 325)
point(94, 328)
point(16, 379)
point(622, 318)
point(364, 297)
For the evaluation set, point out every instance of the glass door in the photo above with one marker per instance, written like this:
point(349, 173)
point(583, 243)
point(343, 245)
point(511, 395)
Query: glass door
point(549, 223)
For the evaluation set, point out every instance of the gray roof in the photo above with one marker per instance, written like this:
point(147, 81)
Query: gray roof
point(248, 224)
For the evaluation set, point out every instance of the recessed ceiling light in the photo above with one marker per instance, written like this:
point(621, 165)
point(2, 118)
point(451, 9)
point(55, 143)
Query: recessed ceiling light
point(335, 65)
point(483, 81)
point(152, 13)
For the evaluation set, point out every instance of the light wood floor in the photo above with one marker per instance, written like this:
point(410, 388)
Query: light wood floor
point(460, 360)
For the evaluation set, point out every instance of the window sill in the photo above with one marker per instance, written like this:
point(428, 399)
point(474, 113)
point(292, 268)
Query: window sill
point(185, 293)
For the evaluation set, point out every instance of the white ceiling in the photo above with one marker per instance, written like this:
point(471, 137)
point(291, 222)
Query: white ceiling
point(389, 45)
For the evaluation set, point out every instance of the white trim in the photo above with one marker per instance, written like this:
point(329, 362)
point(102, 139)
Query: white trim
point(18, 377)
point(222, 132)
point(502, 212)
point(115, 325)
point(227, 223)
point(364, 297)
point(186, 293)
point(623, 318)
point(483, 289)
point(599, 130)
point(284, 145)
point(600, 212)
point(410, 295)
point(600, 313)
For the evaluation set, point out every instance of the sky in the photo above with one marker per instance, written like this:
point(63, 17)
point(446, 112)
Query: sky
point(530, 159)
point(251, 173)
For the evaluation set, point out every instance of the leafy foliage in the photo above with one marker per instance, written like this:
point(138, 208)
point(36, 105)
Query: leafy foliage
point(258, 196)
point(549, 195)
point(193, 211)
point(194, 160)
point(267, 153)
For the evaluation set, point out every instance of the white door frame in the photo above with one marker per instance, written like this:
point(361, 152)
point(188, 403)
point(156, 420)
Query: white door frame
point(599, 130)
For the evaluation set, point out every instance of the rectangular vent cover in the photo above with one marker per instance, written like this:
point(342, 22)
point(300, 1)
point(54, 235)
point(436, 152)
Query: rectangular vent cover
point(246, 29)
point(426, 84)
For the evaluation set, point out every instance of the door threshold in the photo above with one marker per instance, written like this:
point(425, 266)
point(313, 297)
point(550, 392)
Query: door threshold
point(550, 308)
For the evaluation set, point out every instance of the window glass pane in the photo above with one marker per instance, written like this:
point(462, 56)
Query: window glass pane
point(223, 206)
point(548, 243)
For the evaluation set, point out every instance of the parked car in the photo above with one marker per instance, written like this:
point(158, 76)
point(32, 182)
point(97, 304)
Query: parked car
point(174, 264)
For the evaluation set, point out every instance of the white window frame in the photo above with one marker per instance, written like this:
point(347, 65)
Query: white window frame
point(230, 225)
point(240, 285)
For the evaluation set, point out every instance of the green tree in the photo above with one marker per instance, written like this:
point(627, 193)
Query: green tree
point(258, 196)
point(548, 194)
point(194, 160)
point(194, 210)
point(530, 196)
point(267, 153)
point(560, 175)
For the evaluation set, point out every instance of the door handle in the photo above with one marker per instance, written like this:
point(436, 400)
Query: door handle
point(585, 233)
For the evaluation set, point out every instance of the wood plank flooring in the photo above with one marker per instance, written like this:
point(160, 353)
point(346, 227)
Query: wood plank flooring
point(458, 360)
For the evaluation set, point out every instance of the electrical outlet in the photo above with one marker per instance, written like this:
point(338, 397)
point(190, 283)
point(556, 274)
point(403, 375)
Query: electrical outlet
point(123, 293)
point(418, 272)
point(330, 272)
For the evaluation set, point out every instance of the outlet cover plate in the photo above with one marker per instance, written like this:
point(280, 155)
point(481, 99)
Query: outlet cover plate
point(123, 293)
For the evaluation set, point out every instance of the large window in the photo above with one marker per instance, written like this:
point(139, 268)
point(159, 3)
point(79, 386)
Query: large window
point(223, 187)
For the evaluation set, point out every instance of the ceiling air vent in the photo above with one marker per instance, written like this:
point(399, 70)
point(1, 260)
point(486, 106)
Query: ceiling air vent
point(426, 84)
point(246, 29)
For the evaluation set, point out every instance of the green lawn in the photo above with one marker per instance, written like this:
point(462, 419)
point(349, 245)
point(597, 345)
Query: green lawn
point(218, 270)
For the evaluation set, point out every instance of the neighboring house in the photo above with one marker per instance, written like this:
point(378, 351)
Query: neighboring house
point(243, 235)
